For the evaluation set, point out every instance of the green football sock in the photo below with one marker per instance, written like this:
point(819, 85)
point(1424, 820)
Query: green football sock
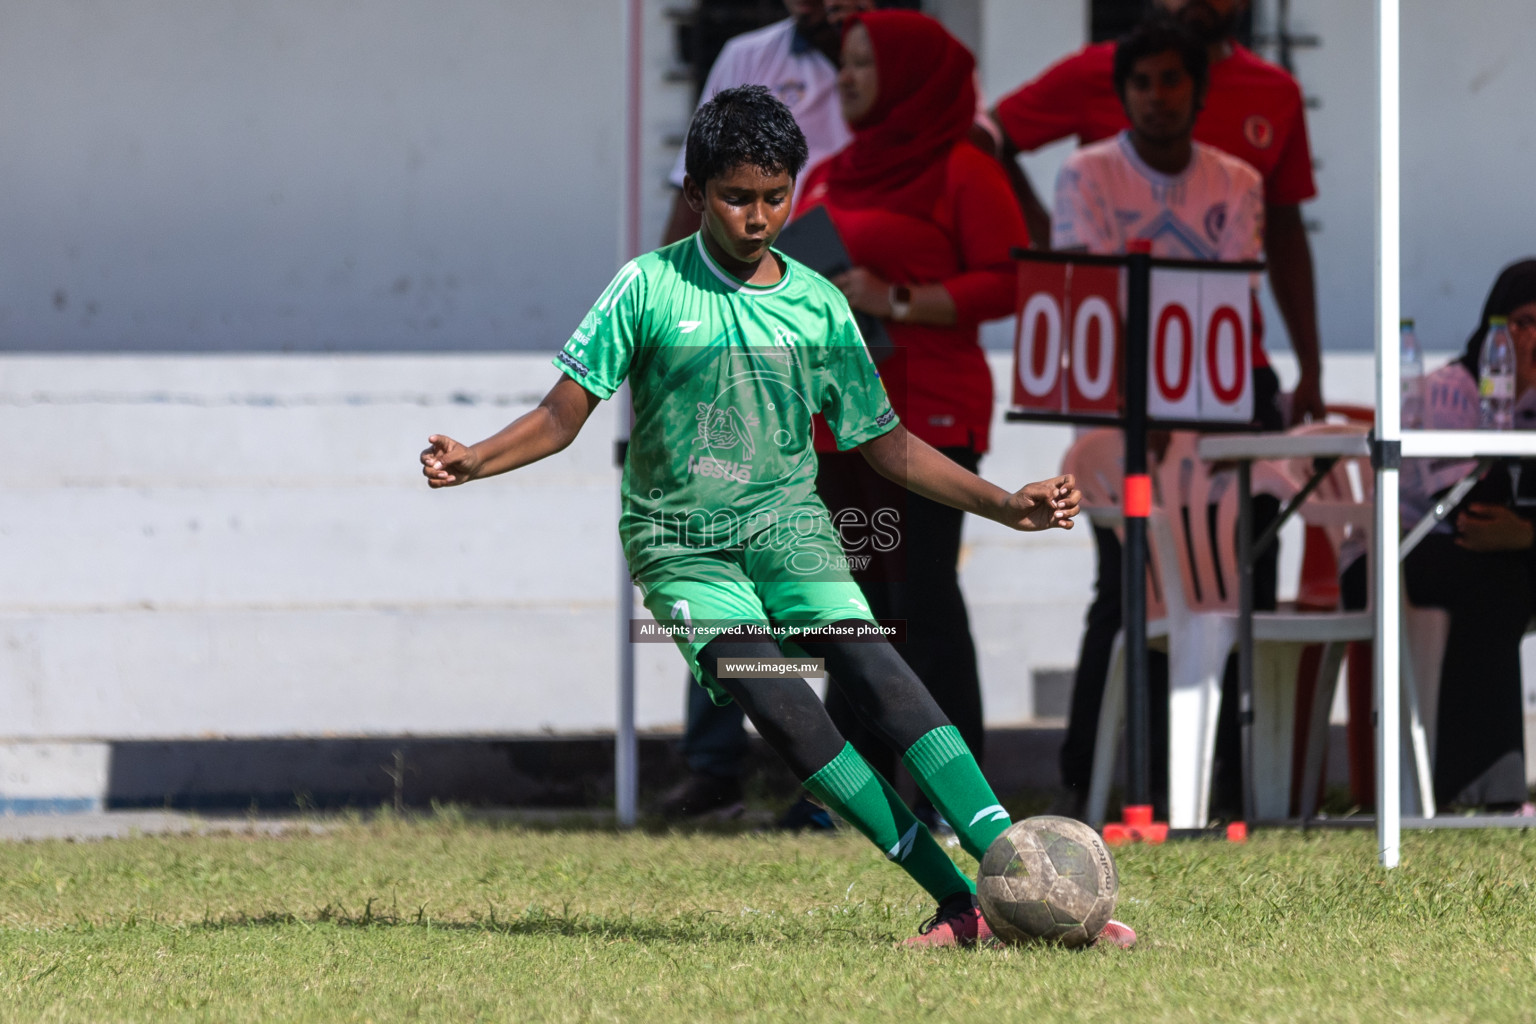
point(849, 786)
point(946, 771)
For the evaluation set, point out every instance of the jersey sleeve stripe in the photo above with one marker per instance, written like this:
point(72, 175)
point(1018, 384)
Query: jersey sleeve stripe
point(616, 289)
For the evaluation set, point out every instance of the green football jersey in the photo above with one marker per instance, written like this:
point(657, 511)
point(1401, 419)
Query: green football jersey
point(725, 378)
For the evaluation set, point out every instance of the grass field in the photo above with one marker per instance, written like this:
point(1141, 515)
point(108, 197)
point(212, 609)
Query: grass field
point(447, 918)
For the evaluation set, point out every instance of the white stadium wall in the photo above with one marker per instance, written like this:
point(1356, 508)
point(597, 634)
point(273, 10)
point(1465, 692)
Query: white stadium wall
point(239, 545)
point(306, 174)
point(283, 175)
point(257, 251)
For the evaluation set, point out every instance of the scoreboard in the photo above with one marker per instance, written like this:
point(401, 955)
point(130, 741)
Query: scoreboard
point(1070, 337)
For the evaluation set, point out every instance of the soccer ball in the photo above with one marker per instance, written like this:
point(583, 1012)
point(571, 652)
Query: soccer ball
point(1047, 879)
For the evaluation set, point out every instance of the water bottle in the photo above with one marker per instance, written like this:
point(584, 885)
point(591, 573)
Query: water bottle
point(1496, 376)
point(1412, 362)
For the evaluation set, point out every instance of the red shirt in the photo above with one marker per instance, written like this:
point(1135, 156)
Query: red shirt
point(940, 387)
point(1253, 110)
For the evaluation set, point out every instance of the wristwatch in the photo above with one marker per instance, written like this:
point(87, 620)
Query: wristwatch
point(901, 301)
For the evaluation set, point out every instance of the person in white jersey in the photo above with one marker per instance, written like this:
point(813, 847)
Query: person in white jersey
point(1153, 183)
point(797, 60)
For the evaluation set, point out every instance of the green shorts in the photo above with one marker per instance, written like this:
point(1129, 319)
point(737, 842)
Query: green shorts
point(707, 593)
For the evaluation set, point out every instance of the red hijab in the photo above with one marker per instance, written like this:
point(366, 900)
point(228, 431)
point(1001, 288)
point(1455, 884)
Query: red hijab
point(926, 104)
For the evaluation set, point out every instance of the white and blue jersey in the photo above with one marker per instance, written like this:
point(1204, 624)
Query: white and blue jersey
point(1106, 197)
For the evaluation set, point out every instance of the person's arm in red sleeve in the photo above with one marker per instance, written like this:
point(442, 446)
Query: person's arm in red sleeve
point(1038, 113)
point(1046, 109)
point(1289, 254)
point(1036, 216)
point(865, 290)
point(988, 227)
point(1290, 181)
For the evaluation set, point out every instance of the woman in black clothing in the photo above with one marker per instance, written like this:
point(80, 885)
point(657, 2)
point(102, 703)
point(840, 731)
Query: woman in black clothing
point(1481, 568)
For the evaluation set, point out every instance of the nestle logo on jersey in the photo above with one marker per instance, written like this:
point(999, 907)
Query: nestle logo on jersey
point(720, 469)
point(588, 328)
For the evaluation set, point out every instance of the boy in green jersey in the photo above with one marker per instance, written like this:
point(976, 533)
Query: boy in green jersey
point(730, 348)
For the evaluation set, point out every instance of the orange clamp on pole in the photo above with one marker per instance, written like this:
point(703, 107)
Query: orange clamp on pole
point(1137, 501)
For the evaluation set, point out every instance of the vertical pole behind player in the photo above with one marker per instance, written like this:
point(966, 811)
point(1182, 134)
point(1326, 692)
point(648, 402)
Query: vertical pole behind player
point(626, 755)
point(1137, 500)
point(1387, 448)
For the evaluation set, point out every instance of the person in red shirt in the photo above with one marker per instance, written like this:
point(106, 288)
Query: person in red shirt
point(1253, 110)
point(929, 222)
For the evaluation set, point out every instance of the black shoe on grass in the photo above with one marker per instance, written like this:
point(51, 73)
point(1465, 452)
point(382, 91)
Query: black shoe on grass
point(806, 815)
point(714, 795)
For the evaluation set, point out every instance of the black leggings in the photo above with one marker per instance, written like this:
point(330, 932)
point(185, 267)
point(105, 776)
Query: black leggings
point(1480, 740)
point(918, 582)
point(886, 695)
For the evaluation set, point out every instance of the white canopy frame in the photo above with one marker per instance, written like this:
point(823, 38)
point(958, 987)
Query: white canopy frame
point(1394, 444)
point(1388, 601)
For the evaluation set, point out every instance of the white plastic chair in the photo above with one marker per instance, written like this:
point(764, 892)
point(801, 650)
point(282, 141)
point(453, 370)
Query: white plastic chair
point(1425, 632)
point(1196, 532)
point(1193, 533)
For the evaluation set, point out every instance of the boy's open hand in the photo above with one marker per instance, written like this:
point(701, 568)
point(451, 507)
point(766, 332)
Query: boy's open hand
point(1043, 505)
point(446, 463)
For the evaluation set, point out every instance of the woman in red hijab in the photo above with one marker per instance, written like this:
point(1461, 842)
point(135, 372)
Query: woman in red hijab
point(929, 222)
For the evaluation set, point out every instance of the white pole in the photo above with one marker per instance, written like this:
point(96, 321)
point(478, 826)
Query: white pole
point(1388, 433)
point(626, 751)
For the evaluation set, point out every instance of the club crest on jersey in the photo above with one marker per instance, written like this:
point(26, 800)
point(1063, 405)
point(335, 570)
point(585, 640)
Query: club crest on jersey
point(790, 91)
point(1259, 132)
point(1215, 221)
point(723, 429)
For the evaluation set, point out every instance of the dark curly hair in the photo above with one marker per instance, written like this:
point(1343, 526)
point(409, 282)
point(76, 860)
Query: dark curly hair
point(739, 127)
point(1159, 34)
